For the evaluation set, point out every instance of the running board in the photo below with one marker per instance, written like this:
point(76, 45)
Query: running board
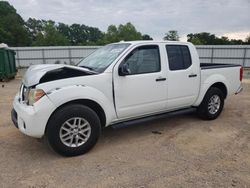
point(151, 118)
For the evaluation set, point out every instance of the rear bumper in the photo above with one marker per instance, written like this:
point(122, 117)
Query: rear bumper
point(240, 89)
point(32, 120)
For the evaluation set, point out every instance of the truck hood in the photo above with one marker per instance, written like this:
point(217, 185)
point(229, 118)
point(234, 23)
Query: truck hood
point(44, 73)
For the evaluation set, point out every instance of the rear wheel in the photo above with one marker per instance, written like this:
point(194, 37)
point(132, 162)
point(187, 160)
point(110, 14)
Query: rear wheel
point(73, 130)
point(212, 104)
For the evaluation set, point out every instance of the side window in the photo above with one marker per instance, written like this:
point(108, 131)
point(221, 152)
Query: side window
point(144, 59)
point(178, 57)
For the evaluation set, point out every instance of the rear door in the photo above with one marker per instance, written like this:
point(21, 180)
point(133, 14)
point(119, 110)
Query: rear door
point(183, 76)
point(144, 90)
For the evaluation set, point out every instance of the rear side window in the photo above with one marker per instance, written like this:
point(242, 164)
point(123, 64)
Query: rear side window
point(178, 57)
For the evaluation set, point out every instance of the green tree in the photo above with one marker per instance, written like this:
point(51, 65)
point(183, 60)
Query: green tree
point(205, 38)
point(172, 35)
point(196, 41)
point(236, 42)
point(50, 36)
point(125, 32)
point(64, 29)
point(223, 40)
point(15, 32)
point(128, 32)
point(112, 34)
point(247, 40)
point(37, 27)
point(80, 34)
point(146, 37)
point(94, 35)
point(12, 29)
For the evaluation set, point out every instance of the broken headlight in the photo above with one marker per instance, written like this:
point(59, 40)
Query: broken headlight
point(34, 95)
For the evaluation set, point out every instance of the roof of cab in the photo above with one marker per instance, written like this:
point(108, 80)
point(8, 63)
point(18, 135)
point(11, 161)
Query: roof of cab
point(153, 41)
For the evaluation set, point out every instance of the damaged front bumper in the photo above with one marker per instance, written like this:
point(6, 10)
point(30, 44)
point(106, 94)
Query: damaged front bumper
point(32, 120)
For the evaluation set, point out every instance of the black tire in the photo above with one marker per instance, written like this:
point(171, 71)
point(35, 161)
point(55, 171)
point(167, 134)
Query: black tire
point(203, 109)
point(64, 114)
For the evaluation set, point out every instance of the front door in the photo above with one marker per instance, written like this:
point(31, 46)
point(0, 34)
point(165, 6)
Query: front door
point(144, 90)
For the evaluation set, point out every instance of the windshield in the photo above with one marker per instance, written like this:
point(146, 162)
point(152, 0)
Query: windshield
point(103, 57)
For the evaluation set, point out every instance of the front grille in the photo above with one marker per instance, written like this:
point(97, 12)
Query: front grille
point(14, 117)
point(24, 92)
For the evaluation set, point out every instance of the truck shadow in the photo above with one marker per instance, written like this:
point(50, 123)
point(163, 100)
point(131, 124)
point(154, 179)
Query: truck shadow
point(158, 124)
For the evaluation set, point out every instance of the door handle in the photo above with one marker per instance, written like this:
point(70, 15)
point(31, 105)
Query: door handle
point(192, 75)
point(160, 79)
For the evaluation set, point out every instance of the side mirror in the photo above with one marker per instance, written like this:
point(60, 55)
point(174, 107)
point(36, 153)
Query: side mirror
point(124, 70)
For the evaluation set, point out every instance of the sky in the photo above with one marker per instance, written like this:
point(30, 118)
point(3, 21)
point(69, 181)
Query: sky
point(229, 18)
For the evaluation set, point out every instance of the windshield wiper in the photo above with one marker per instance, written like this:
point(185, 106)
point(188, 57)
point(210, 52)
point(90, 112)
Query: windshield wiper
point(90, 68)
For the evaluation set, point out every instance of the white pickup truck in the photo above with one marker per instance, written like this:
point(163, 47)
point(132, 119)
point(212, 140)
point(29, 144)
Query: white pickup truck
point(69, 105)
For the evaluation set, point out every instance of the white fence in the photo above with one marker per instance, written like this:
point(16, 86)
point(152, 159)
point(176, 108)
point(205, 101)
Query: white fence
point(232, 54)
point(26, 56)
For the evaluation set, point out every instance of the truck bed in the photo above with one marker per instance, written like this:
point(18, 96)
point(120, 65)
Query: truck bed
point(228, 74)
point(216, 65)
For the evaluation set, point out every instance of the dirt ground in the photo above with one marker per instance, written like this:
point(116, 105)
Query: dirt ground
point(175, 150)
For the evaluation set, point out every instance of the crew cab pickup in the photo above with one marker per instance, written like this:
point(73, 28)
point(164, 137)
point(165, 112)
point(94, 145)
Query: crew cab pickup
point(69, 105)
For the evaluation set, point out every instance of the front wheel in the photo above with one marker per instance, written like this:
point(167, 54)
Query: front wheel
point(73, 130)
point(212, 104)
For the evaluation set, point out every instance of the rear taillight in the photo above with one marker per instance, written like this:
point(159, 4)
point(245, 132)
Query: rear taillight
point(241, 73)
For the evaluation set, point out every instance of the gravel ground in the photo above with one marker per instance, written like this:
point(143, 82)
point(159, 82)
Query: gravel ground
point(174, 150)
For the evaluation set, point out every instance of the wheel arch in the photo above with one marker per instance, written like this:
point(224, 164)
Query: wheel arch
point(97, 108)
point(220, 86)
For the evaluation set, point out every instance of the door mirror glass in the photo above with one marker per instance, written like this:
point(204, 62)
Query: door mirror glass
point(124, 70)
